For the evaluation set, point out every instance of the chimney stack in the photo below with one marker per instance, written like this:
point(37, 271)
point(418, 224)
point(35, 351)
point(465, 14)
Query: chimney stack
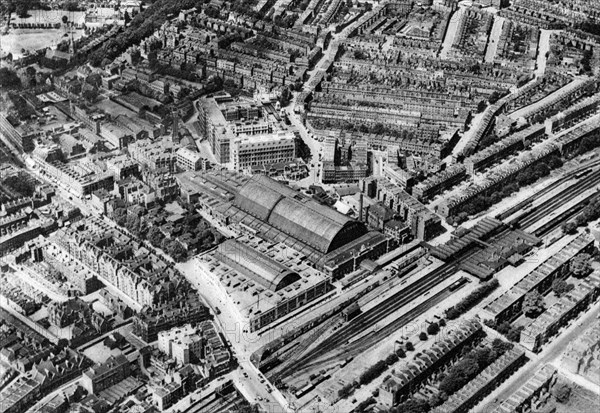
point(360, 208)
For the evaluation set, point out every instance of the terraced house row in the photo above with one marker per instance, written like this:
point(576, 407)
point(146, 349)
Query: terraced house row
point(508, 306)
point(548, 324)
point(482, 384)
point(497, 177)
point(403, 382)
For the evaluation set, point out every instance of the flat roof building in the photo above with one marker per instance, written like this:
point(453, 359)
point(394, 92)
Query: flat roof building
point(252, 150)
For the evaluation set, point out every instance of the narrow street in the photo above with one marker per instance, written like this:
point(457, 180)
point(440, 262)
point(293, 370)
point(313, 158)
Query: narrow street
point(551, 353)
point(543, 49)
point(313, 78)
point(451, 32)
point(493, 39)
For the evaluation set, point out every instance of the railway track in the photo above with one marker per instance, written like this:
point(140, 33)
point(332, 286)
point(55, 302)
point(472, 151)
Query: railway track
point(564, 217)
point(340, 341)
point(568, 194)
point(226, 403)
point(371, 317)
point(568, 176)
point(357, 347)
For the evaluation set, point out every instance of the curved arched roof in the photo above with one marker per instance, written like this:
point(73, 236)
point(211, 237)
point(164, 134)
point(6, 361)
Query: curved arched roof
point(296, 215)
point(260, 268)
point(305, 224)
point(257, 200)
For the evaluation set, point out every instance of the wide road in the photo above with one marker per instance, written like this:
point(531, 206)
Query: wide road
point(252, 384)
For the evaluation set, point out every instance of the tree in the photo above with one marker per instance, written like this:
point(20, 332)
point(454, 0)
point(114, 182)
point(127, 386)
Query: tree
point(555, 162)
point(514, 333)
point(561, 391)
point(132, 223)
point(533, 304)
point(412, 405)
point(177, 251)
point(409, 346)
point(65, 19)
point(423, 336)
point(22, 9)
point(90, 95)
point(372, 372)
point(501, 346)
point(472, 299)
point(458, 375)
point(481, 106)
point(155, 236)
point(494, 97)
point(452, 313)
point(561, 287)
point(9, 79)
point(120, 216)
point(345, 391)
point(360, 55)
point(285, 97)
point(433, 329)
point(391, 359)
point(62, 343)
point(442, 323)
point(438, 399)
point(400, 353)
point(16, 183)
point(569, 228)
point(581, 265)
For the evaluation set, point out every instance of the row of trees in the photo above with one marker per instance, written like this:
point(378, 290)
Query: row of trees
point(472, 299)
point(24, 187)
point(526, 177)
point(20, 106)
point(142, 26)
point(471, 365)
point(513, 333)
point(377, 369)
point(20, 7)
point(456, 377)
point(590, 212)
point(9, 79)
point(581, 265)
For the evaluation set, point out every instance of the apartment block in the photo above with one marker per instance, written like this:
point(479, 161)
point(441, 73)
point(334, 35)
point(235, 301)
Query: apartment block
point(102, 376)
point(252, 150)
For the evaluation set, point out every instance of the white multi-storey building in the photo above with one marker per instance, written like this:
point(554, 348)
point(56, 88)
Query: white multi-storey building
point(248, 151)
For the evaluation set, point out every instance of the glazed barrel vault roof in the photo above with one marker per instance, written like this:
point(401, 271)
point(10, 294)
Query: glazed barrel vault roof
point(296, 215)
point(260, 268)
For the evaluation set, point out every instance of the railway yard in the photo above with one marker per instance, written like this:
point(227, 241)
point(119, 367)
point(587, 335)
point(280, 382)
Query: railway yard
point(334, 342)
point(301, 206)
